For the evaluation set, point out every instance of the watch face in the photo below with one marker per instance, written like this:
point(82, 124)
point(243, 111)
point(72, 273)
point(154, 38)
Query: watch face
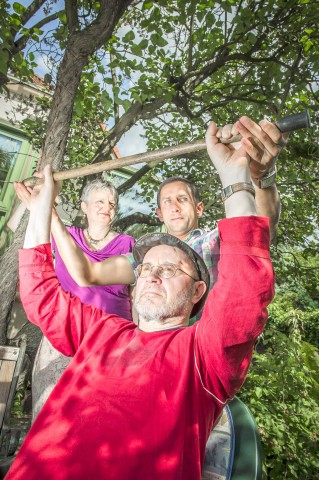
point(268, 181)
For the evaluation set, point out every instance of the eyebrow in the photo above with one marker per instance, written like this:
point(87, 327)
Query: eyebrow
point(111, 200)
point(167, 197)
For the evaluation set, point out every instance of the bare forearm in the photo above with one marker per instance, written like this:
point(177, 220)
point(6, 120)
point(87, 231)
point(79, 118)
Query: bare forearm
point(241, 203)
point(76, 262)
point(268, 205)
point(38, 229)
point(39, 201)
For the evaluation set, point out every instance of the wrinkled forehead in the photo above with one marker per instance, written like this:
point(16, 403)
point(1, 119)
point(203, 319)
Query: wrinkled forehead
point(103, 194)
point(167, 254)
point(175, 189)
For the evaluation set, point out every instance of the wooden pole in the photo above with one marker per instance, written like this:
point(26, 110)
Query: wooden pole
point(285, 124)
point(146, 157)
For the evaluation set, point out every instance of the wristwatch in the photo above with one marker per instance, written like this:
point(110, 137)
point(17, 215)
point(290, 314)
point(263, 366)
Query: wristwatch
point(267, 180)
point(237, 187)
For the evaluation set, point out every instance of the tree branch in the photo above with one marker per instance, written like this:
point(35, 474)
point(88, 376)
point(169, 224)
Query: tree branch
point(116, 106)
point(137, 111)
point(21, 42)
point(294, 71)
point(136, 218)
point(190, 43)
point(81, 44)
point(134, 178)
point(71, 11)
point(31, 10)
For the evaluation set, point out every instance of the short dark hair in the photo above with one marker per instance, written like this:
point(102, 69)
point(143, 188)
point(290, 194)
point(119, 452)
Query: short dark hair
point(176, 178)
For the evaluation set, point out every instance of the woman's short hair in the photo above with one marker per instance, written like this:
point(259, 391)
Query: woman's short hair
point(99, 184)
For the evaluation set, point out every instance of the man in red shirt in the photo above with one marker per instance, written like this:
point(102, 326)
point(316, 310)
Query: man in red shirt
point(138, 402)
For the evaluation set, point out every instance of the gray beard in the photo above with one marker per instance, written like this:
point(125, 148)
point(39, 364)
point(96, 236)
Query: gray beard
point(179, 307)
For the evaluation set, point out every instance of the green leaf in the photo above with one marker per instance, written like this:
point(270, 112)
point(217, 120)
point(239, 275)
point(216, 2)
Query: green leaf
point(147, 5)
point(126, 104)
point(308, 45)
point(18, 58)
point(78, 108)
point(18, 8)
point(4, 57)
point(143, 44)
point(258, 392)
point(129, 36)
point(62, 17)
point(158, 40)
point(136, 50)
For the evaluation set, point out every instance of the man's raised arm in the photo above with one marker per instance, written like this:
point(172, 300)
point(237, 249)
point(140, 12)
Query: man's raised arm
point(233, 169)
point(263, 143)
point(39, 201)
point(236, 309)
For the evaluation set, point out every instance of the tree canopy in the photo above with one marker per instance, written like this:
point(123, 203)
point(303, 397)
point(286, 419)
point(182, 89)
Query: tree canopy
point(171, 66)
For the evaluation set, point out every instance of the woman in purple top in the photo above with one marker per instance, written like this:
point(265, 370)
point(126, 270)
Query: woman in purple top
point(110, 298)
point(99, 202)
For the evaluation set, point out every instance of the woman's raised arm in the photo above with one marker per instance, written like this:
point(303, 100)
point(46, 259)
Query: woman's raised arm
point(112, 271)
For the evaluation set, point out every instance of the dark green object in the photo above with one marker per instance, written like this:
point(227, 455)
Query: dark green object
point(294, 122)
point(247, 464)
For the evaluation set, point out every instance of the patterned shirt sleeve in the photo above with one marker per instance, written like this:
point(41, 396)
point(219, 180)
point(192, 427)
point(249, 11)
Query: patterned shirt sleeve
point(206, 244)
point(133, 264)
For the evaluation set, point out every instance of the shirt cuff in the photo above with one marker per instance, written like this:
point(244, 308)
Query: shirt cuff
point(250, 234)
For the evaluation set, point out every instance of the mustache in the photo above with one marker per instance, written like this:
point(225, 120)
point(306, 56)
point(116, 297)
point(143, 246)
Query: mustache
point(152, 289)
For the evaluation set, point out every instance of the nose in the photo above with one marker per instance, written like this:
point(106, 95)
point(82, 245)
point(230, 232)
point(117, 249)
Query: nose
point(107, 208)
point(175, 206)
point(153, 276)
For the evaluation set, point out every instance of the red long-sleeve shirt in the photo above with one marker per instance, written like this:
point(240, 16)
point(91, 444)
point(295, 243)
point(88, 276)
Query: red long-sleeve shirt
point(138, 405)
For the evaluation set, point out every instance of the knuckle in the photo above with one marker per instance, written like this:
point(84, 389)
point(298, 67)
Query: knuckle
point(276, 151)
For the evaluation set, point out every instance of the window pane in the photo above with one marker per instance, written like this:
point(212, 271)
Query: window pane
point(9, 149)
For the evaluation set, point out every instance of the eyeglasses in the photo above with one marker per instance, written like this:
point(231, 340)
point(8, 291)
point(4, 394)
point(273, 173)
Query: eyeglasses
point(166, 270)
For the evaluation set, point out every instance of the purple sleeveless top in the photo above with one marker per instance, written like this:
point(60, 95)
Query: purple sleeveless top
point(111, 298)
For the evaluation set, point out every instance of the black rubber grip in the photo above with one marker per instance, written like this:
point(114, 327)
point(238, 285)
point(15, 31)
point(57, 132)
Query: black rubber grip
point(294, 122)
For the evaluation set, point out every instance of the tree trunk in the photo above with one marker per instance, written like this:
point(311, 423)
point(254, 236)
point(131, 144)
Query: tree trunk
point(80, 46)
point(9, 276)
point(135, 218)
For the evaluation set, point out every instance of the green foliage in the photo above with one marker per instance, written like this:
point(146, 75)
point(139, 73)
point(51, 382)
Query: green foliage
point(280, 393)
point(17, 407)
point(206, 59)
point(21, 63)
point(294, 306)
point(34, 127)
point(282, 388)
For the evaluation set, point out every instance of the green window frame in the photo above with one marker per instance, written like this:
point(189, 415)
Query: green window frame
point(18, 163)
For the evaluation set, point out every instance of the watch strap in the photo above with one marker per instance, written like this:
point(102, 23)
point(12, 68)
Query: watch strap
point(267, 180)
point(237, 187)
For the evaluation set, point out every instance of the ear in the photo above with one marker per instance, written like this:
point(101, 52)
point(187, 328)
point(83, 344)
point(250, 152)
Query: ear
point(199, 209)
point(83, 207)
point(159, 214)
point(200, 288)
